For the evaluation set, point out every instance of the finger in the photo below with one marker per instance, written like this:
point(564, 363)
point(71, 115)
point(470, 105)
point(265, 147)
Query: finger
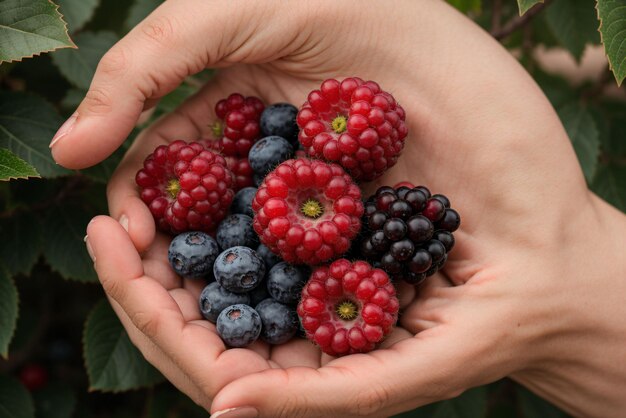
point(178, 39)
point(413, 372)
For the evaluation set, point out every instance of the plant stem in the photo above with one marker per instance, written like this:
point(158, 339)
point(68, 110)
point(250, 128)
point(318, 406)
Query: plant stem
point(518, 22)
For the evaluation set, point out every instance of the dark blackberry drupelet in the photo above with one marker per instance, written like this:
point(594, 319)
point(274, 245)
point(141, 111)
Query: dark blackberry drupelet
point(408, 231)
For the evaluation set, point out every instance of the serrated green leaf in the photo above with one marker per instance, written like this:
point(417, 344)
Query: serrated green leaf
point(20, 246)
point(467, 5)
point(77, 12)
point(113, 363)
point(8, 313)
point(573, 24)
point(78, 66)
point(582, 131)
point(533, 406)
point(27, 125)
point(30, 27)
point(13, 167)
point(612, 15)
point(525, 5)
point(15, 401)
point(614, 141)
point(63, 244)
point(55, 401)
point(610, 184)
point(139, 10)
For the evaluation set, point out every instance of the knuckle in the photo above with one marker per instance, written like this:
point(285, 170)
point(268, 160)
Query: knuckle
point(159, 30)
point(370, 401)
point(114, 62)
point(97, 101)
point(147, 323)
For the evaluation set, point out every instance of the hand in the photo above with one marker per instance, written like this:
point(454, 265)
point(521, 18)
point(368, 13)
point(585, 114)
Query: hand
point(481, 132)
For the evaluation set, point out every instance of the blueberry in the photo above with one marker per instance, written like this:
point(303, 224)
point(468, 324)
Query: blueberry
point(239, 325)
point(268, 152)
point(258, 178)
point(214, 299)
point(192, 254)
point(285, 282)
point(239, 269)
point(242, 202)
point(236, 230)
point(268, 256)
point(280, 322)
point(280, 119)
point(259, 293)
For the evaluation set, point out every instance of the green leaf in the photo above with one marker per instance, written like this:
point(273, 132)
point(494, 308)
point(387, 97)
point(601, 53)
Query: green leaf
point(610, 184)
point(72, 98)
point(30, 27)
point(20, 246)
point(27, 125)
point(471, 404)
point(614, 142)
point(15, 401)
point(582, 131)
point(533, 406)
point(139, 10)
point(78, 66)
point(113, 363)
point(63, 244)
point(556, 89)
point(55, 401)
point(574, 24)
point(77, 12)
point(612, 15)
point(8, 314)
point(13, 167)
point(467, 5)
point(525, 5)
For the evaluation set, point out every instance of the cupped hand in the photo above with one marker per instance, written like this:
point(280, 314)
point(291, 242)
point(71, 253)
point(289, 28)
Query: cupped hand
point(481, 132)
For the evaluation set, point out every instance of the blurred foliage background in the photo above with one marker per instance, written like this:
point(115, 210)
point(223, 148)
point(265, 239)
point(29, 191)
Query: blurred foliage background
point(64, 353)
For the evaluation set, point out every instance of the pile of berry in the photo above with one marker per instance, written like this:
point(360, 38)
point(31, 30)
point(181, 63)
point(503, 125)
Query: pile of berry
point(265, 210)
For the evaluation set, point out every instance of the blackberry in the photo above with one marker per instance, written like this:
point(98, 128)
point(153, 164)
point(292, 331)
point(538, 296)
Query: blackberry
point(236, 230)
point(280, 119)
point(268, 256)
point(242, 202)
point(408, 232)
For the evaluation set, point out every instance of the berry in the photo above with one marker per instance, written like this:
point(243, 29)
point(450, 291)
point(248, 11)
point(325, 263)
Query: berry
point(214, 299)
point(242, 202)
point(192, 254)
point(239, 325)
point(33, 376)
point(280, 119)
point(186, 187)
point(355, 124)
point(268, 256)
point(268, 152)
point(348, 307)
point(307, 211)
point(285, 282)
point(242, 171)
point(280, 322)
point(236, 230)
point(259, 294)
point(409, 232)
point(257, 179)
point(239, 269)
point(237, 125)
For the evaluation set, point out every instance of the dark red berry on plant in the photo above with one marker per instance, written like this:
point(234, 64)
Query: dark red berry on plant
point(33, 376)
point(186, 187)
point(348, 307)
point(450, 221)
point(355, 124)
point(308, 211)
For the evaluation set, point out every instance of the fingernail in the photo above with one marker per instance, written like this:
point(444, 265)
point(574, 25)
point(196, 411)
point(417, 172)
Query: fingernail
point(124, 221)
point(89, 249)
point(65, 129)
point(241, 412)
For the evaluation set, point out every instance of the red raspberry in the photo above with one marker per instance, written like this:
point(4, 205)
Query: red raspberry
point(355, 124)
point(307, 211)
point(348, 307)
point(186, 187)
point(237, 127)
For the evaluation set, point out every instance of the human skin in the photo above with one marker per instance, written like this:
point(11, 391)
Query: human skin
point(534, 288)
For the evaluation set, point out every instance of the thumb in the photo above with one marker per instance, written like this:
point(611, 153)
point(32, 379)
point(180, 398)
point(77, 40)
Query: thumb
point(178, 39)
